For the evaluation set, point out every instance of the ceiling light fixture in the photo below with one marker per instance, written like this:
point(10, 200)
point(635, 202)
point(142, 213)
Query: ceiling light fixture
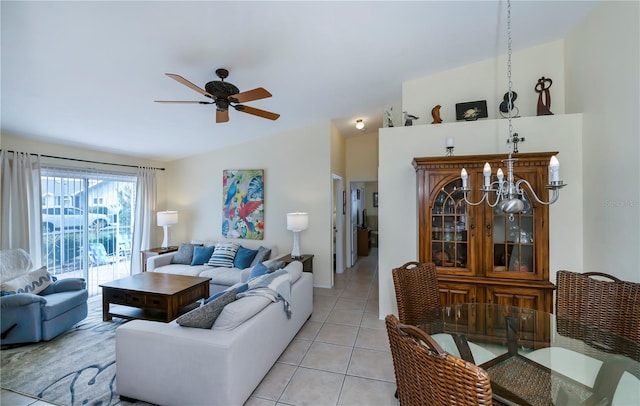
point(360, 124)
point(509, 193)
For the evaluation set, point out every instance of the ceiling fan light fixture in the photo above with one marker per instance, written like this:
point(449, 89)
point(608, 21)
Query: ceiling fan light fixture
point(360, 124)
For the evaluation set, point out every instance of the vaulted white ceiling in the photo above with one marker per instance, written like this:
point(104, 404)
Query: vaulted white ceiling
point(85, 73)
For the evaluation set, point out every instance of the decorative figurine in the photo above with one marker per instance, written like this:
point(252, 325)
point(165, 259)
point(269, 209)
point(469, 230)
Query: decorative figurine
point(542, 87)
point(408, 118)
point(435, 113)
point(504, 106)
point(388, 116)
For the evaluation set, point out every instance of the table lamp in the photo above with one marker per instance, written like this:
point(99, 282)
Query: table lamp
point(297, 222)
point(166, 219)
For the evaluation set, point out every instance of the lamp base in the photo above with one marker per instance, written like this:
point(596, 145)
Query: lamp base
point(295, 252)
point(165, 240)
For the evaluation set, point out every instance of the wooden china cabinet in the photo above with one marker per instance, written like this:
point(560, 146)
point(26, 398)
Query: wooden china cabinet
point(483, 255)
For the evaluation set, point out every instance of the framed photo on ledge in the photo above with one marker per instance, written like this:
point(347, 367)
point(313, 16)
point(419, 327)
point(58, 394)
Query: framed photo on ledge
point(471, 111)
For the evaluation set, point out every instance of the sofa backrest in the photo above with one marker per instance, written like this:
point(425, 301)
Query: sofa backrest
point(13, 263)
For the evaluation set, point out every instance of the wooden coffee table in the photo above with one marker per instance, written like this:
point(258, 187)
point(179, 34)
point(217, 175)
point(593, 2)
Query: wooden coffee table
point(151, 295)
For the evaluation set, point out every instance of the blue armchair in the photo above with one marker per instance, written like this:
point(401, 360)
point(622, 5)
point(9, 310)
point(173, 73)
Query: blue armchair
point(28, 317)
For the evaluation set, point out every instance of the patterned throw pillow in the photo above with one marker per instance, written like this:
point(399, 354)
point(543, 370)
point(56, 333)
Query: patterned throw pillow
point(184, 255)
point(205, 315)
point(275, 265)
point(223, 255)
point(32, 282)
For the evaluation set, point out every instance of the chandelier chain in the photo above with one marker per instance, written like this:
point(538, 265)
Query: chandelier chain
point(509, 51)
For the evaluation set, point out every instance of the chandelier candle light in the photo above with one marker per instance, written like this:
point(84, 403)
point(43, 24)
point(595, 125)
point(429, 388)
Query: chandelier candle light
point(297, 222)
point(166, 219)
point(507, 191)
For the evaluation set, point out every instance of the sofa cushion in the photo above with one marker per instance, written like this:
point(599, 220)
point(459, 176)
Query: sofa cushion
point(223, 255)
point(236, 313)
point(205, 315)
point(31, 282)
point(180, 269)
point(201, 255)
point(262, 255)
point(62, 302)
point(244, 257)
point(222, 276)
point(258, 270)
point(184, 255)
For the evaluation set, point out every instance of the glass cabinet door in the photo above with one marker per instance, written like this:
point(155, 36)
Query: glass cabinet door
point(449, 239)
point(513, 241)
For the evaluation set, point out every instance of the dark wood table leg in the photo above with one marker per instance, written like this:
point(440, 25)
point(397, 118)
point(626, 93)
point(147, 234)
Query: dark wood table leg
point(105, 307)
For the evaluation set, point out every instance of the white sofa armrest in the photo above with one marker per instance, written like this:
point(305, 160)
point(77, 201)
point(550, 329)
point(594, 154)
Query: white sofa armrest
point(157, 261)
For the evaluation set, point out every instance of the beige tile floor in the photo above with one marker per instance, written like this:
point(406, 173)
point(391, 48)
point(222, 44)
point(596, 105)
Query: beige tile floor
point(340, 356)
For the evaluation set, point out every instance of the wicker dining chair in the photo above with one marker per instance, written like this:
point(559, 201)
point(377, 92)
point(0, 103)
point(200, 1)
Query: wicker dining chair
point(416, 286)
point(612, 305)
point(428, 375)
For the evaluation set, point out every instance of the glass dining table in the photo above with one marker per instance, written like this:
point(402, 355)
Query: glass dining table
point(535, 358)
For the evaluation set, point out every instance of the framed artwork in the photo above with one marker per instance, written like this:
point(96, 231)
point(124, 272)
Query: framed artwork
point(243, 204)
point(471, 111)
point(375, 199)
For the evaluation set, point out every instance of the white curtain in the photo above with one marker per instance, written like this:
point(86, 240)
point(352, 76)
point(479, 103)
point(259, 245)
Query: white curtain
point(143, 222)
point(20, 202)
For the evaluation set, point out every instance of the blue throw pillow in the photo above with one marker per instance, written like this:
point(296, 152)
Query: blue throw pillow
point(201, 255)
point(258, 270)
point(243, 258)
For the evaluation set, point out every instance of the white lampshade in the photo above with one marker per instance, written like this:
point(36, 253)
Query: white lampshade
point(297, 221)
point(167, 218)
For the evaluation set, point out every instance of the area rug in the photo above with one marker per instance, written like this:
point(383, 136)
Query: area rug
point(76, 368)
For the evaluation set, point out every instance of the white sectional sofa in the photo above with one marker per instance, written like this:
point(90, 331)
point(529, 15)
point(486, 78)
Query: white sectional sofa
point(167, 364)
point(221, 278)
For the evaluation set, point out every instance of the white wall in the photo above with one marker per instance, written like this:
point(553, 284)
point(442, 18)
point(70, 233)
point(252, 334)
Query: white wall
point(297, 177)
point(487, 80)
point(603, 81)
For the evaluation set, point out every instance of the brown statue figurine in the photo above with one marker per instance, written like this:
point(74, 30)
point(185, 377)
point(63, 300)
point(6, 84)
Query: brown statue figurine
point(542, 87)
point(435, 113)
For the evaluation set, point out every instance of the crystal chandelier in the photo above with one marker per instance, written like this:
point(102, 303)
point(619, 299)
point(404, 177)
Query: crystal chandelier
point(508, 192)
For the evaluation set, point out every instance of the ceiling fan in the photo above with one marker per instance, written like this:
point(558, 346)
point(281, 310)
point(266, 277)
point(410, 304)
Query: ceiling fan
point(224, 95)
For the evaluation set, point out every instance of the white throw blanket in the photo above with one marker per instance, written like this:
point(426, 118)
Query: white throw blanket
point(274, 286)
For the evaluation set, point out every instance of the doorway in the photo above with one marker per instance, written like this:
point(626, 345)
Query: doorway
point(338, 215)
point(363, 214)
point(87, 220)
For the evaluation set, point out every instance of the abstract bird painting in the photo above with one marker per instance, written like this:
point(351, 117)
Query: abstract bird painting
point(243, 204)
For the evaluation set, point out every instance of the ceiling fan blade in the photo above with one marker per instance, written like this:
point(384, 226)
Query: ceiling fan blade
point(181, 101)
point(189, 84)
point(250, 95)
point(257, 112)
point(222, 116)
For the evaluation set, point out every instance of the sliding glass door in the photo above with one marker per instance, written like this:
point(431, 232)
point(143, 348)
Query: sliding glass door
point(87, 224)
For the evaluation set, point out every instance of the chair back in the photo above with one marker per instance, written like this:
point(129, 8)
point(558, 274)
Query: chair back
point(428, 375)
point(609, 305)
point(416, 286)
